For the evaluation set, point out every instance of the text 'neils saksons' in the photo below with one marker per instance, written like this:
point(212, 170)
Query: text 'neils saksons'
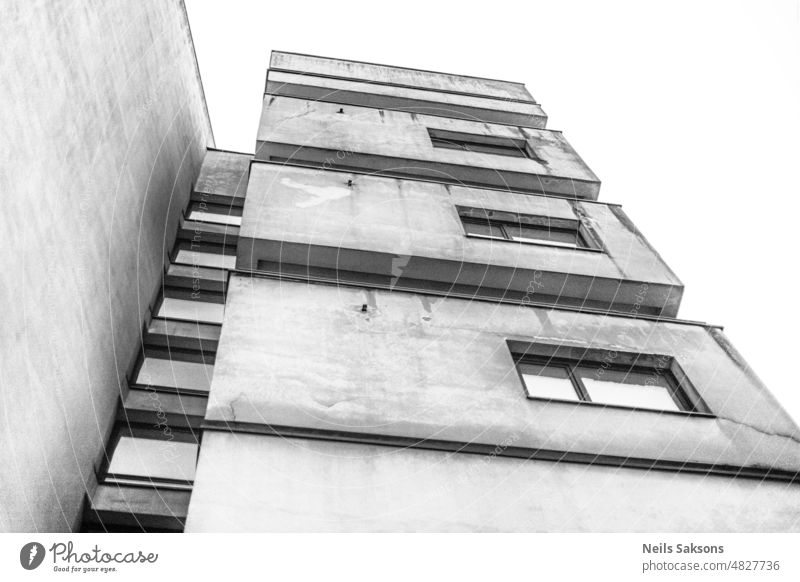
point(663, 548)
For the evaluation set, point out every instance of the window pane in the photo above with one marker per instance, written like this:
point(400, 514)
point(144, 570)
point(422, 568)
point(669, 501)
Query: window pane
point(215, 218)
point(189, 257)
point(446, 143)
point(175, 374)
point(191, 310)
point(479, 143)
point(525, 233)
point(154, 458)
point(640, 389)
point(483, 229)
point(503, 150)
point(548, 382)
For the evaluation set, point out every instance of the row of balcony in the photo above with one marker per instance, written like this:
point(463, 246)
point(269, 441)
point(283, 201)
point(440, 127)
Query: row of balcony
point(414, 179)
point(147, 476)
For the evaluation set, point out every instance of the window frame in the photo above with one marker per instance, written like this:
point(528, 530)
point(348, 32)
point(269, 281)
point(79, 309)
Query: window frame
point(482, 144)
point(177, 293)
point(140, 431)
point(505, 221)
point(681, 390)
point(212, 209)
point(170, 354)
point(209, 249)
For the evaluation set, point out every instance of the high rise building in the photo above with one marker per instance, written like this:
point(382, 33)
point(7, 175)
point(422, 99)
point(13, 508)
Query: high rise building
point(434, 324)
point(409, 311)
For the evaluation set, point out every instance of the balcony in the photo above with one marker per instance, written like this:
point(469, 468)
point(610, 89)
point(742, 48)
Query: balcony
point(412, 370)
point(406, 144)
point(384, 87)
point(411, 234)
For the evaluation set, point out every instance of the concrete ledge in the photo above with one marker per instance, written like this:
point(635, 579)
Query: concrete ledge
point(430, 106)
point(139, 507)
point(748, 472)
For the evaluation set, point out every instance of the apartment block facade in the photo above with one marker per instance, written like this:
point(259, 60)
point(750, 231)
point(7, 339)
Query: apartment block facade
point(408, 310)
point(434, 325)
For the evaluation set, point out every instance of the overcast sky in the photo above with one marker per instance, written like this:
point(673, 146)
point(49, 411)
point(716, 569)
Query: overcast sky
point(687, 111)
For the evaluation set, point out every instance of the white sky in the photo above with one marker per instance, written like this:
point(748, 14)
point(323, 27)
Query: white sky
point(688, 112)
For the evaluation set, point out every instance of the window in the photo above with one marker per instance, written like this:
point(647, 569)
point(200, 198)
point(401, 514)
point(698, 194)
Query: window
point(187, 256)
point(526, 228)
point(608, 378)
point(485, 144)
point(548, 381)
point(191, 310)
point(174, 374)
point(215, 213)
point(148, 456)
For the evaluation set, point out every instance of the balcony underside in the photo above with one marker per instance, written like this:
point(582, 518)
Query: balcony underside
point(419, 106)
point(465, 175)
point(458, 279)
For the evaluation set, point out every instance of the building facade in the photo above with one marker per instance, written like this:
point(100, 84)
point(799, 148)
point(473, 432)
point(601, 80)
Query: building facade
point(434, 324)
point(409, 311)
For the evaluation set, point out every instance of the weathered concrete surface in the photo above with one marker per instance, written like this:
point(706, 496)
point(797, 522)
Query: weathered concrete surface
point(405, 99)
point(407, 231)
point(421, 367)
point(137, 507)
point(224, 173)
point(398, 76)
point(357, 132)
point(255, 483)
point(103, 126)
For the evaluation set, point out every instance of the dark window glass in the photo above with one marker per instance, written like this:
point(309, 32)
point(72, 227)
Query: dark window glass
point(526, 228)
point(502, 150)
point(484, 144)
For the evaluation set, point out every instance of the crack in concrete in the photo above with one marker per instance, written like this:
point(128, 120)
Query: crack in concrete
point(232, 406)
point(760, 430)
point(298, 115)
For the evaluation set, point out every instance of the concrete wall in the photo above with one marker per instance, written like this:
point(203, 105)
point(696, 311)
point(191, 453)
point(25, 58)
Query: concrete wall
point(411, 367)
point(409, 232)
point(367, 93)
point(104, 127)
point(398, 76)
point(224, 174)
point(401, 139)
point(254, 483)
